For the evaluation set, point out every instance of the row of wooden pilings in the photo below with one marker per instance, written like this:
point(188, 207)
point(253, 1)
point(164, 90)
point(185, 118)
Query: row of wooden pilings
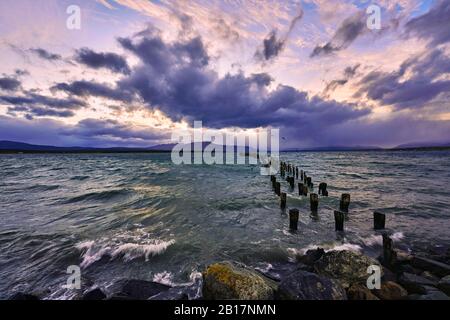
point(291, 173)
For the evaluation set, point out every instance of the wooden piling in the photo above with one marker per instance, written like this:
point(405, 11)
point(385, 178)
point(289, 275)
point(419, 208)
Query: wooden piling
point(277, 188)
point(296, 172)
point(339, 217)
point(314, 202)
point(345, 202)
point(283, 200)
point(293, 219)
point(309, 181)
point(389, 254)
point(379, 220)
point(323, 189)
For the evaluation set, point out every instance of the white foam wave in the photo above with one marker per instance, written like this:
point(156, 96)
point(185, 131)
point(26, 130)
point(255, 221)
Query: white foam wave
point(128, 246)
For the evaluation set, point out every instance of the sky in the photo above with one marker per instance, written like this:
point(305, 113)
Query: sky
point(136, 71)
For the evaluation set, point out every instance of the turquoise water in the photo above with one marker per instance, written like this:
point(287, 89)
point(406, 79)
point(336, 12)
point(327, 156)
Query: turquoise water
point(139, 216)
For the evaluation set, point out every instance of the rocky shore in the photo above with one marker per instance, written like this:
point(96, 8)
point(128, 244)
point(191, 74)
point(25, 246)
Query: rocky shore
point(316, 275)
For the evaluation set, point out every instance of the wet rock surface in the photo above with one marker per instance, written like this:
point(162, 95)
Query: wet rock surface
point(303, 285)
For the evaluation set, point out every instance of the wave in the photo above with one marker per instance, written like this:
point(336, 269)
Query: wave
point(99, 196)
point(368, 242)
point(79, 178)
point(126, 246)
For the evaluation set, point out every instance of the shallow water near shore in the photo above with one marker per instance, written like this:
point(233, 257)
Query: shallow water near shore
point(139, 216)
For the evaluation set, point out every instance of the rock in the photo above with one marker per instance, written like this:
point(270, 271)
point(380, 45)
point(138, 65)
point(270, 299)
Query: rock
point(346, 266)
point(277, 271)
point(438, 268)
point(311, 256)
point(95, 294)
point(414, 283)
point(360, 292)
point(391, 291)
point(224, 280)
point(403, 256)
point(428, 275)
point(444, 285)
point(23, 296)
point(171, 294)
point(432, 293)
point(303, 285)
point(137, 289)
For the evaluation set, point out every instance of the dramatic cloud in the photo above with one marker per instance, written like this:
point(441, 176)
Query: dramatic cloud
point(111, 61)
point(349, 73)
point(423, 82)
point(44, 54)
point(273, 45)
point(88, 133)
point(38, 105)
point(9, 84)
point(84, 88)
point(89, 128)
point(175, 78)
point(433, 26)
point(350, 29)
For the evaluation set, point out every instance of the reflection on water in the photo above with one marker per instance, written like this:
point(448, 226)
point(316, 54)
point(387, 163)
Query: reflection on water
point(139, 216)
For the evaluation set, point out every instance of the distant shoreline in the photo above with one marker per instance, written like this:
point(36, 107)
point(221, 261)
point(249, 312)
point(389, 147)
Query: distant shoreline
point(112, 151)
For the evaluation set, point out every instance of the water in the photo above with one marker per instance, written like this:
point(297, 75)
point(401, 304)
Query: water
point(138, 216)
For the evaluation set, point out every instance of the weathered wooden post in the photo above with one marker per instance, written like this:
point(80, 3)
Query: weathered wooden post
point(300, 189)
point(296, 173)
point(305, 190)
point(293, 219)
point(292, 182)
point(339, 217)
point(379, 220)
point(301, 175)
point(277, 188)
point(309, 181)
point(283, 200)
point(345, 202)
point(314, 202)
point(389, 254)
point(323, 189)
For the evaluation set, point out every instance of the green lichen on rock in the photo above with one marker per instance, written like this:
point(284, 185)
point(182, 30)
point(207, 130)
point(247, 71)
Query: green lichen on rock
point(347, 267)
point(227, 281)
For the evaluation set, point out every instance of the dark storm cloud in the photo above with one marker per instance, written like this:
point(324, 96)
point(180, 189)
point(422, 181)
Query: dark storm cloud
point(349, 30)
point(175, 79)
point(349, 73)
point(423, 84)
point(9, 84)
point(106, 60)
point(38, 105)
point(84, 88)
point(46, 55)
point(33, 111)
point(87, 133)
point(273, 44)
point(434, 26)
point(110, 128)
point(37, 99)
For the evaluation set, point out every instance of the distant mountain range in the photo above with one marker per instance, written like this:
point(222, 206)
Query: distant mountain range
point(12, 146)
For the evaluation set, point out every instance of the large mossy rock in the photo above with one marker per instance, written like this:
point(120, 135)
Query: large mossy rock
point(303, 285)
point(224, 280)
point(346, 266)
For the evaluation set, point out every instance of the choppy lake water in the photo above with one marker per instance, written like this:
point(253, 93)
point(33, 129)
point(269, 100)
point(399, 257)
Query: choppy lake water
point(139, 216)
